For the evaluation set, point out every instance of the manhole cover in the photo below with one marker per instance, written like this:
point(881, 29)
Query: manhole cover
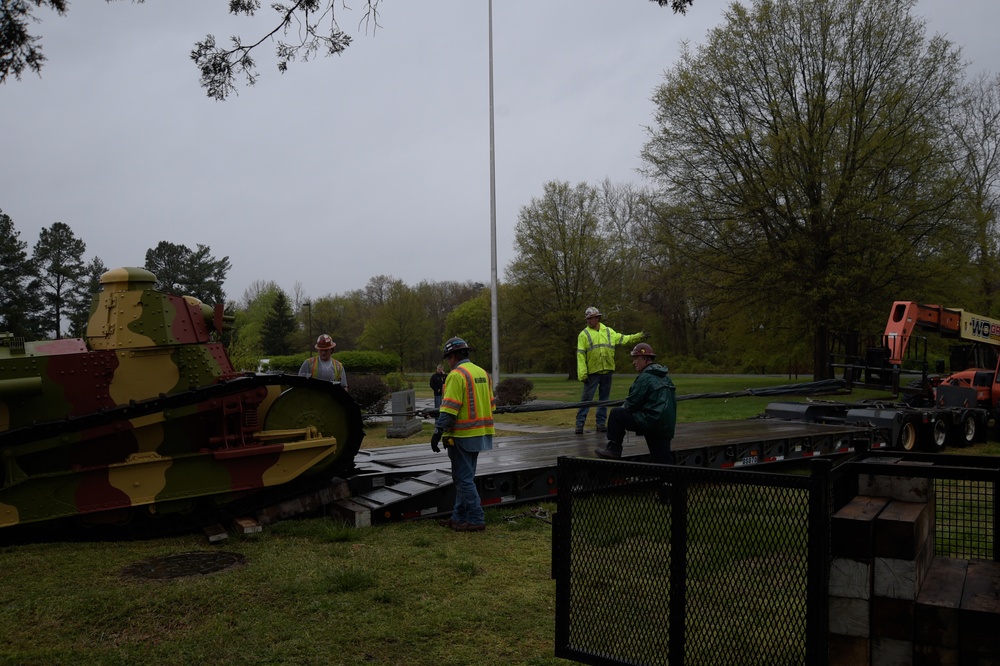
point(184, 564)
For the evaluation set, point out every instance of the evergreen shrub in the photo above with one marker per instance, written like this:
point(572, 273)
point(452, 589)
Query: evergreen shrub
point(370, 392)
point(514, 391)
point(397, 382)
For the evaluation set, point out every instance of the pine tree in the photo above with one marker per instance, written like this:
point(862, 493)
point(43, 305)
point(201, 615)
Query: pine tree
point(19, 305)
point(278, 326)
point(58, 259)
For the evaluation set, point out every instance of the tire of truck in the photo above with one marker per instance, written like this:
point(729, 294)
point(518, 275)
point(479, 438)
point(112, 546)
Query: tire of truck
point(907, 440)
point(966, 431)
point(939, 437)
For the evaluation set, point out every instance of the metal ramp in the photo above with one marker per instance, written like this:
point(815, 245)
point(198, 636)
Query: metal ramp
point(420, 496)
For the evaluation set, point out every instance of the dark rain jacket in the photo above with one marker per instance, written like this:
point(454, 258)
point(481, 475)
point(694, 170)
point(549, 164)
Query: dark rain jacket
point(652, 402)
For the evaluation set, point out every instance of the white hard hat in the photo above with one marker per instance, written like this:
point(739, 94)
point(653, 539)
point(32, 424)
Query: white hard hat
point(325, 342)
point(592, 312)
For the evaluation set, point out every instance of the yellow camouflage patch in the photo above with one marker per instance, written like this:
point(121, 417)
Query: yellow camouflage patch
point(142, 477)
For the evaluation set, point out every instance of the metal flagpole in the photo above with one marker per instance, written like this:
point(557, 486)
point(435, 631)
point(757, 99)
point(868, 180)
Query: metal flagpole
point(493, 225)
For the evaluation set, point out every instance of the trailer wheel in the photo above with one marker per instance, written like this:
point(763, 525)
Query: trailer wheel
point(939, 436)
point(967, 430)
point(907, 437)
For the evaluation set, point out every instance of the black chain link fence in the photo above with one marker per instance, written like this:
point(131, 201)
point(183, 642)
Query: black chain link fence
point(671, 565)
point(658, 565)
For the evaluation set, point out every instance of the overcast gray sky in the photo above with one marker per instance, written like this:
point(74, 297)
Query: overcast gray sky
point(375, 162)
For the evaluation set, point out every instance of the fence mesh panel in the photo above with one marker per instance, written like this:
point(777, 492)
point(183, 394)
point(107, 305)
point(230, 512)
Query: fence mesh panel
point(660, 565)
point(737, 583)
point(965, 518)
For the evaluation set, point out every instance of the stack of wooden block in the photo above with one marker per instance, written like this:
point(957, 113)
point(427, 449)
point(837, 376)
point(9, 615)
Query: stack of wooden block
point(891, 600)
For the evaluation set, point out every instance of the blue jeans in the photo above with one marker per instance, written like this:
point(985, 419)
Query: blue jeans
point(621, 421)
point(468, 508)
point(590, 385)
point(437, 401)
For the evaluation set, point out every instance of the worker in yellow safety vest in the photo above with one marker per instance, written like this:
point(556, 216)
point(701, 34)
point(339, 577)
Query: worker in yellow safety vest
point(465, 426)
point(324, 366)
point(595, 364)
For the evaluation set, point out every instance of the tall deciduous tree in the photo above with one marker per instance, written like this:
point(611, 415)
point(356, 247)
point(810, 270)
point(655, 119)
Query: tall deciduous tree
point(977, 131)
point(438, 299)
point(185, 272)
point(568, 257)
point(398, 323)
point(58, 260)
point(18, 304)
point(805, 153)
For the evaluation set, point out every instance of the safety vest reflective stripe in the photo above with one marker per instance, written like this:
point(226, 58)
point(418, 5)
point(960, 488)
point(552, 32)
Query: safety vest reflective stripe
point(599, 345)
point(478, 421)
point(314, 367)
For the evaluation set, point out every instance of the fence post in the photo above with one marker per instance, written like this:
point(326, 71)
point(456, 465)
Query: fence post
point(678, 568)
point(996, 514)
point(561, 522)
point(818, 563)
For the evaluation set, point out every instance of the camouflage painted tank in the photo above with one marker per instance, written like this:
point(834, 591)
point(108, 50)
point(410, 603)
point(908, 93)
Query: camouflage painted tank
point(147, 417)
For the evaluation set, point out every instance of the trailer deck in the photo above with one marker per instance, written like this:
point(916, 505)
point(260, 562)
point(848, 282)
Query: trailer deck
point(411, 481)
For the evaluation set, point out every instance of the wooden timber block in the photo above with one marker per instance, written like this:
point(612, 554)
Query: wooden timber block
point(849, 617)
point(304, 503)
point(935, 655)
point(246, 525)
point(848, 650)
point(891, 652)
point(850, 578)
point(354, 514)
point(852, 527)
point(215, 533)
point(936, 614)
point(892, 618)
point(979, 614)
point(901, 579)
point(902, 528)
point(903, 488)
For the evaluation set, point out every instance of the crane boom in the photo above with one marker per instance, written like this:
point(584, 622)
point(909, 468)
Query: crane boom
point(906, 316)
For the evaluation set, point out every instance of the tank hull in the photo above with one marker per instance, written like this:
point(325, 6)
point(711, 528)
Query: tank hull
point(146, 417)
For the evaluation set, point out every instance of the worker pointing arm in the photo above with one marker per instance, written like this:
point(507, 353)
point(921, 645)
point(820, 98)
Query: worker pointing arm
point(595, 364)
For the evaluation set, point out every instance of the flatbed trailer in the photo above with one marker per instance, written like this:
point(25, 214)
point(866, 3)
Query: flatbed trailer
point(411, 481)
point(951, 421)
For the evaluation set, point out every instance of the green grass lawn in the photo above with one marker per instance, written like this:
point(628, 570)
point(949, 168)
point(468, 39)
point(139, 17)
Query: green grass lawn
point(315, 592)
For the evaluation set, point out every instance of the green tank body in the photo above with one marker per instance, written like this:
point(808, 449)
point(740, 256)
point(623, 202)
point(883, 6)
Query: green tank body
point(146, 417)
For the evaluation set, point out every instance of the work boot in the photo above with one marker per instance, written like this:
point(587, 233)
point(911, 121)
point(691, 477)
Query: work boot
point(608, 452)
point(579, 430)
point(468, 527)
point(446, 522)
point(602, 428)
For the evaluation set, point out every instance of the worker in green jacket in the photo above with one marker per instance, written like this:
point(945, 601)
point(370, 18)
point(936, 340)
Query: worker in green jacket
point(595, 364)
point(650, 409)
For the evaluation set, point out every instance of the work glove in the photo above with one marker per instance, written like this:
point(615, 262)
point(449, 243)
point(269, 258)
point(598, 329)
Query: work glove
point(435, 439)
point(645, 336)
point(584, 378)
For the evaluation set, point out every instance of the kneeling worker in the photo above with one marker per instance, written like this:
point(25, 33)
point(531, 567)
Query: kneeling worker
point(465, 426)
point(650, 409)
